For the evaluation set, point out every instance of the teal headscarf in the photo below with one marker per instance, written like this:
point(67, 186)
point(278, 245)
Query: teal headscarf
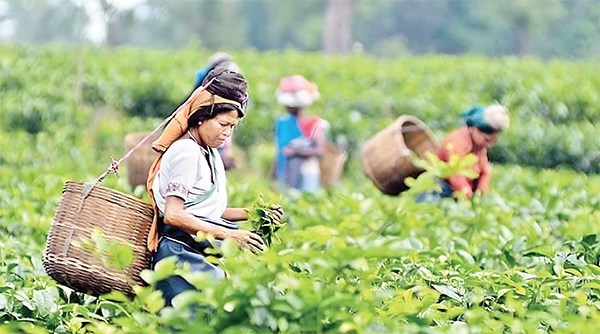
point(476, 117)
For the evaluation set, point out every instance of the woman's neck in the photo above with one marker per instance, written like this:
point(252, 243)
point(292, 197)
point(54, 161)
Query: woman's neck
point(193, 135)
point(298, 112)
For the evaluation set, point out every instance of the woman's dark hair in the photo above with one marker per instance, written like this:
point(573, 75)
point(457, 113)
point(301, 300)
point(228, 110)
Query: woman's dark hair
point(208, 112)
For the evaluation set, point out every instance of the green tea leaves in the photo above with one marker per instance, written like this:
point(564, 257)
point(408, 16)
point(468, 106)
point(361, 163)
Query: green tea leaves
point(264, 221)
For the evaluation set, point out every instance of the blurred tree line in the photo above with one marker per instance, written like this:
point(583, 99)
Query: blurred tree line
point(544, 28)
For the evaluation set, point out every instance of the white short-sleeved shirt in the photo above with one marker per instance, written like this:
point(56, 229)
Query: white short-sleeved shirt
point(185, 172)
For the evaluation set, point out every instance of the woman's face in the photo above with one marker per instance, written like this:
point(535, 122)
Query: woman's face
point(213, 132)
point(482, 139)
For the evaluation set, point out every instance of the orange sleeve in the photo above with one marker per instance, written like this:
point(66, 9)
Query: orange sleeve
point(483, 184)
point(458, 142)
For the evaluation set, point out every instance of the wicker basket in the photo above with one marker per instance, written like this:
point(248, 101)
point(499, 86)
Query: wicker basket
point(140, 161)
point(331, 164)
point(385, 156)
point(121, 217)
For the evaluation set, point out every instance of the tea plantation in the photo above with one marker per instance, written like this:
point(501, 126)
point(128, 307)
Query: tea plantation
point(523, 259)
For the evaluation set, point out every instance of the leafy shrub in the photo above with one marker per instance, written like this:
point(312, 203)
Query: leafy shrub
point(360, 95)
point(8, 80)
point(543, 144)
point(30, 120)
point(150, 99)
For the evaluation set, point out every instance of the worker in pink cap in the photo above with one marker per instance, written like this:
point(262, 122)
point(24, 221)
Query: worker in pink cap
point(299, 137)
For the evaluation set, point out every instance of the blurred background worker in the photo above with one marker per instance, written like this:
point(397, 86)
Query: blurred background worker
point(220, 60)
point(483, 127)
point(299, 138)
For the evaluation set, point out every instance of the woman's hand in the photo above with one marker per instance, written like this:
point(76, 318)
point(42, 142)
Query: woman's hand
point(468, 192)
point(247, 240)
point(277, 212)
point(289, 151)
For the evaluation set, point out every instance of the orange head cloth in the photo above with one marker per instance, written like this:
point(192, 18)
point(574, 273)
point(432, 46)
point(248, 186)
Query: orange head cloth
point(173, 131)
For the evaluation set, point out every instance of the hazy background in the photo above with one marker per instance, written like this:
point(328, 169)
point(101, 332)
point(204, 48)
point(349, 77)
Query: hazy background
point(544, 28)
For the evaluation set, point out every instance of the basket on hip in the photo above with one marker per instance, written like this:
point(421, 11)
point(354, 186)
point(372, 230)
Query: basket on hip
point(386, 156)
point(122, 219)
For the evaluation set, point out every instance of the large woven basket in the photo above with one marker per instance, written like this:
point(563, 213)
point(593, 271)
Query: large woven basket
point(140, 160)
point(119, 216)
point(331, 164)
point(386, 155)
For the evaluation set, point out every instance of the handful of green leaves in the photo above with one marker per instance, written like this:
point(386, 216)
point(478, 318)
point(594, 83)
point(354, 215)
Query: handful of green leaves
point(263, 217)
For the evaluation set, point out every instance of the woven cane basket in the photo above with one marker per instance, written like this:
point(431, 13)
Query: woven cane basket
point(331, 164)
point(141, 159)
point(386, 156)
point(121, 217)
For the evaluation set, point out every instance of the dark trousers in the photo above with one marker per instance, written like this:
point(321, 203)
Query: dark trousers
point(175, 242)
point(175, 284)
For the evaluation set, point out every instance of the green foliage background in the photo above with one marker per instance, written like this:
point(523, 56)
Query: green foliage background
point(524, 259)
point(554, 104)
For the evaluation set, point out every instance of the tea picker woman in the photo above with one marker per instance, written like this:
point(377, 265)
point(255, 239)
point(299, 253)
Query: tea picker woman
point(299, 138)
point(483, 127)
point(187, 180)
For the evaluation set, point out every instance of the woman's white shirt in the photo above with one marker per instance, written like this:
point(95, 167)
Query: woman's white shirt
point(185, 172)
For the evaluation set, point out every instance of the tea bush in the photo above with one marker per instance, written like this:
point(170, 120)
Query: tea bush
point(359, 94)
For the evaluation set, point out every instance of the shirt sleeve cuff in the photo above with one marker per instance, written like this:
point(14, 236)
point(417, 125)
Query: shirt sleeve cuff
point(177, 189)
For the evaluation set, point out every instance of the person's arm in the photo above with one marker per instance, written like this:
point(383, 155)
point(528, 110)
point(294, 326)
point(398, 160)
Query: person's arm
point(460, 183)
point(318, 137)
point(483, 184)
point(175, 215)
point(316, 150)
point(237, 214)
